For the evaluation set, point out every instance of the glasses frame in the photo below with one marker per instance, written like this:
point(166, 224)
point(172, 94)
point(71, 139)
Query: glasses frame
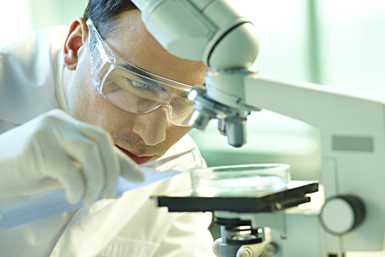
point(113, 59)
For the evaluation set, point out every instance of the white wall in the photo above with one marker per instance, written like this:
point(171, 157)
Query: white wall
point(15, 20)
point(281, 27)
point(353, 44)
point(19, 17)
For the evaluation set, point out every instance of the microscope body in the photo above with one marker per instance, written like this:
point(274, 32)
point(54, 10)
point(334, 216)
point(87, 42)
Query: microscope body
point(350, 213)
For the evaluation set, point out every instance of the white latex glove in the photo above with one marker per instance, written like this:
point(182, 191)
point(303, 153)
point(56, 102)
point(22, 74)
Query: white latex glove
point(55, 150)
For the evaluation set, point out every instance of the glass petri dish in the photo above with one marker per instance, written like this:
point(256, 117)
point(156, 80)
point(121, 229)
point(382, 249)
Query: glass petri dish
point(253, 180)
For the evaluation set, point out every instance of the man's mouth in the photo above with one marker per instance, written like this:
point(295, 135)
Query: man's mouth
point(136, 158)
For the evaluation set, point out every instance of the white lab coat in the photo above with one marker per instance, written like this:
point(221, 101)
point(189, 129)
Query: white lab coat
point(129, 226)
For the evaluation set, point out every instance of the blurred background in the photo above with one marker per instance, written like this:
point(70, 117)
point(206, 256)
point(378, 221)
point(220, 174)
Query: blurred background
point(336, 43)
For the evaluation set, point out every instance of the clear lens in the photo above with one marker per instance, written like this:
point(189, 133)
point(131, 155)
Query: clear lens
point(240, 180)
point(136, 94)
point(182, 110)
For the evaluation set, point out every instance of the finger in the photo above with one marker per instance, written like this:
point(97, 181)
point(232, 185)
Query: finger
point(86, 152)
point(108, 157)
point(62, 168)
point(128, 168)
point(73, 182)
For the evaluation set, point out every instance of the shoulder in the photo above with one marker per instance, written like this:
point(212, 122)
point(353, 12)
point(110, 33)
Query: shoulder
point(27, 73)
point(30, 50)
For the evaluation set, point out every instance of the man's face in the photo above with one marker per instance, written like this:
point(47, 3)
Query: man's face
point(141, 136)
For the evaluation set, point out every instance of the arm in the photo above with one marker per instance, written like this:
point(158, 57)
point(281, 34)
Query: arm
point(56, 150)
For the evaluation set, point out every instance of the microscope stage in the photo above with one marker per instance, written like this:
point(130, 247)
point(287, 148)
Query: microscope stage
point(294, 195)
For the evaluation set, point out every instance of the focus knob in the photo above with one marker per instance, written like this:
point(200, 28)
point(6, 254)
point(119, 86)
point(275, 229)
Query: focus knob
point(342, 214)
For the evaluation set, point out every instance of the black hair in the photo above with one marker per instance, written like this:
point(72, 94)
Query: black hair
point(103, 12)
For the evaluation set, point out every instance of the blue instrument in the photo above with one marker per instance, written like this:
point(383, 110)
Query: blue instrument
point(43, 205)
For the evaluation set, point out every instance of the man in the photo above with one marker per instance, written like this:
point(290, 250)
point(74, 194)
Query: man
point(117, 88)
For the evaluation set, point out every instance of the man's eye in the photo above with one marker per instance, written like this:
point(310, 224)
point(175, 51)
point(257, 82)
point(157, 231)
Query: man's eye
point(139, 84)
point(147, 86)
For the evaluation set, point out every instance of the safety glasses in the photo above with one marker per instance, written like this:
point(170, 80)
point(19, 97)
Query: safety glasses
point(133, 89)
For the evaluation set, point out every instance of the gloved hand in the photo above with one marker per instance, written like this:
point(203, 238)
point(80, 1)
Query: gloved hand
point(55, 150)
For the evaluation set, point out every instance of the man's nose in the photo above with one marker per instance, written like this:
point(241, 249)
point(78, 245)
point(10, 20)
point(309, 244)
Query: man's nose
point(152, 127)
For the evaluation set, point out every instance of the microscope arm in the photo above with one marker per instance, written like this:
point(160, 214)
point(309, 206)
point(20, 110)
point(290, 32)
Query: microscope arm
point(352, 136)
point(323, 107)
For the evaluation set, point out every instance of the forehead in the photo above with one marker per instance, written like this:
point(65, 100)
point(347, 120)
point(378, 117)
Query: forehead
point(131, 40)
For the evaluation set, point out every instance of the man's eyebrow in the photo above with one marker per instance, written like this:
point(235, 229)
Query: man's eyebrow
point(146, 74)
point(138, 70)
point(149, 75)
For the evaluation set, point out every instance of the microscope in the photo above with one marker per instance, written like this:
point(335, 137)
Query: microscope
point(349, 214)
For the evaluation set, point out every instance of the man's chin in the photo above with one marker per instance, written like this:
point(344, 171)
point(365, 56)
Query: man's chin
point(138, 159)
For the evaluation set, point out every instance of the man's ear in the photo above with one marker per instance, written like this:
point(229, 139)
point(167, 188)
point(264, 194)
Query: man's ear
point(77, 36)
